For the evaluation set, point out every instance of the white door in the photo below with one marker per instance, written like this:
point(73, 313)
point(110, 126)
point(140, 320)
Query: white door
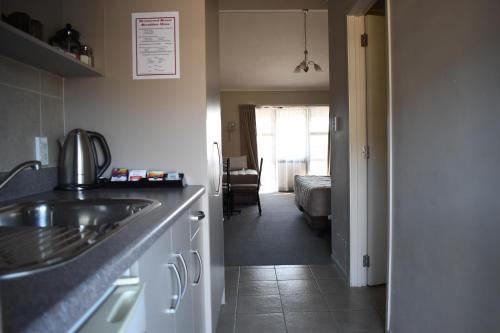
point(376, 109)
point(216, 231)
point(212, 229)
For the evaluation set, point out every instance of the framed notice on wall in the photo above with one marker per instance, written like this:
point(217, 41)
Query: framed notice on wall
point(155, 45)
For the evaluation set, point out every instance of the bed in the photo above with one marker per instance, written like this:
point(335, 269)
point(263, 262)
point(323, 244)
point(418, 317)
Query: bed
point(312, 197)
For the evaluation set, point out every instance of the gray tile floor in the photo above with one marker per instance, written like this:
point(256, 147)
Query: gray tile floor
point(302, 299)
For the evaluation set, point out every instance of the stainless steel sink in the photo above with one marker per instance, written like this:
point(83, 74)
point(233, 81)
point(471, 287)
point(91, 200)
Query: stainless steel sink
point(70, 213)
point(37, 234)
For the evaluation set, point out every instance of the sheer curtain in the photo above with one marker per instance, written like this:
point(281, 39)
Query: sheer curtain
point(292, 141)
point(291, 146)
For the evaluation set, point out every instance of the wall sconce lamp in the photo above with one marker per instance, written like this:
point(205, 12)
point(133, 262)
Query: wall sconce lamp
point(231, 127)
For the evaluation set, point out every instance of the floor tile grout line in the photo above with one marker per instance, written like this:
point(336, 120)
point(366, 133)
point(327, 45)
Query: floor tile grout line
point(319, 289)
point(236, 300)
point(281, 301)
point(337, 326)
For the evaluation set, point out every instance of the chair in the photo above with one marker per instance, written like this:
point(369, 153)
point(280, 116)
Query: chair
point(249, 189)
point(226, 189)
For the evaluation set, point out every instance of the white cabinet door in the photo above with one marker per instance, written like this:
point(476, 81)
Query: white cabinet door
point(162, 285)
point(196, 280)
point(181, 256)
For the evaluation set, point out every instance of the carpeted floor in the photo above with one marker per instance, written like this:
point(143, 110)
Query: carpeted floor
point(279, 237)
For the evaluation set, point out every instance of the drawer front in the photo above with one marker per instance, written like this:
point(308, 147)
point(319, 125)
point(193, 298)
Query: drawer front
point(181, 246)
point(162, 289)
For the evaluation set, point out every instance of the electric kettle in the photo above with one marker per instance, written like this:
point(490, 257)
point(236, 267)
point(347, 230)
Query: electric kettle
point(79, 166)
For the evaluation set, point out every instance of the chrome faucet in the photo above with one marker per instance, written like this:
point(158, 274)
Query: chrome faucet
point(35, 165)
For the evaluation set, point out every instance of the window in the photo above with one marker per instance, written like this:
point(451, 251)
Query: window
point(292, 141)
point(318, 140)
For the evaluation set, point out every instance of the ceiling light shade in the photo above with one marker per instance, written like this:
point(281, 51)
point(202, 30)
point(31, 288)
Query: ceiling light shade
point(305, 64)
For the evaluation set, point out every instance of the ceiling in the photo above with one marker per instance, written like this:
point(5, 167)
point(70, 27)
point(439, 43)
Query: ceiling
point(271, 4)
point(259, 50)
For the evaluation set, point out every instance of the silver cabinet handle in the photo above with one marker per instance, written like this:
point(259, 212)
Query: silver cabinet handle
point(127, 281)
point(199, 215)
point(177, 298)
point(200, 264)
point(217, 192)
point(185, 269)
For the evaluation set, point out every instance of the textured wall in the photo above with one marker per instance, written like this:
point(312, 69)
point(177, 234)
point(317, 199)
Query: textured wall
point(31, 105)
point(446, 127)
point(231, 99)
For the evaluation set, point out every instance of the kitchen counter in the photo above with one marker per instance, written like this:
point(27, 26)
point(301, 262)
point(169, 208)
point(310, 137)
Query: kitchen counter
point(54, 300)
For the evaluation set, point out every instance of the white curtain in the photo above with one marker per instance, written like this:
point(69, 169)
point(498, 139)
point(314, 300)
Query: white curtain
point(291, 145)
point(287, 171)
point(292, 141)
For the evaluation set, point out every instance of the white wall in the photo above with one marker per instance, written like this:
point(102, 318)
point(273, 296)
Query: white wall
point(340, 139)
point(151, 124)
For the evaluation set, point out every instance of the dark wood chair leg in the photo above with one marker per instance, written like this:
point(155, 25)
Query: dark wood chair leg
point(231, 203)
point(258, 203)
point(226, 203)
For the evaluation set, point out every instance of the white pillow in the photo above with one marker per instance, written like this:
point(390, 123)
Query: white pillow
point(238, 162)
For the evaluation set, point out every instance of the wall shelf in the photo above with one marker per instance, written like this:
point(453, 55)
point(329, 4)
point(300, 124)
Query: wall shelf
point(20, 46)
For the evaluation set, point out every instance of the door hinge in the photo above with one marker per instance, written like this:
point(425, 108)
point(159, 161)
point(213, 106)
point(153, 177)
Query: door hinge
point(366, 152)
point(366, 260)
point(364, 40)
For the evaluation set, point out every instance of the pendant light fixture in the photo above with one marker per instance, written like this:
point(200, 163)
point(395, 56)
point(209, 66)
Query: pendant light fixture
point(306, 63)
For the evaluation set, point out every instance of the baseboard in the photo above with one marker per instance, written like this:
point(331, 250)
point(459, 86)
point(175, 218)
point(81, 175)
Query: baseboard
point(223, 299)
point(340, 268)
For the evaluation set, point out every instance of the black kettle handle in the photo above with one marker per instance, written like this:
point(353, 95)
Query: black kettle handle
point(94, 136)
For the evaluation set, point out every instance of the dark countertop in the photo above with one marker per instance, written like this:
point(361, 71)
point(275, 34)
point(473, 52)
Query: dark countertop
point(54, 300)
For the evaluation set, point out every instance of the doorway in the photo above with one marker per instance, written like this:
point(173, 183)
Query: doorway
point(281, 287)
point(277, 112)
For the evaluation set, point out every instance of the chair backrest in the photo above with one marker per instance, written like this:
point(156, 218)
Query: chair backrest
point(260, 172)
point(227, 167)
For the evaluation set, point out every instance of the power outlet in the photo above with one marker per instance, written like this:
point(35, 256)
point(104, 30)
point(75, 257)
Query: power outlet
point(42, 149)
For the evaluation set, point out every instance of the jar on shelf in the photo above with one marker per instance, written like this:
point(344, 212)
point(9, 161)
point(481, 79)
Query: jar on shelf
point(86, 55)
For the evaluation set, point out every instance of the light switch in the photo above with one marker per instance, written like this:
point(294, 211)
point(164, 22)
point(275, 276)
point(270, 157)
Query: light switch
point(42, 149)
point(335, 124)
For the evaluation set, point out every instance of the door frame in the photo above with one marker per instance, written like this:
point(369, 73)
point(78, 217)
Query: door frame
point(358, 221)
point(358, 164)
point(390, 164)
